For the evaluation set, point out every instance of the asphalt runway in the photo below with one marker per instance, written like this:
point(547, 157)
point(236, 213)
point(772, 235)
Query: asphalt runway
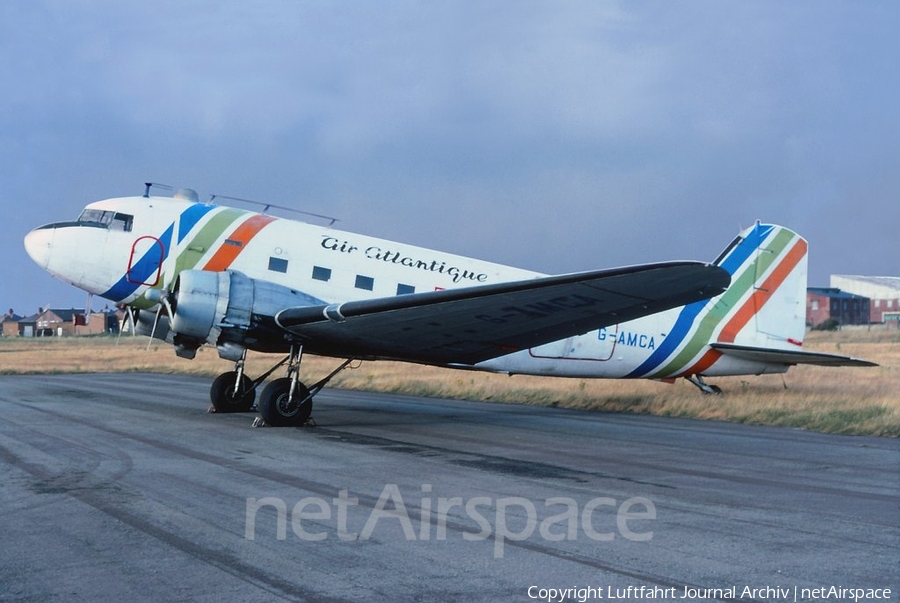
point(122, 488)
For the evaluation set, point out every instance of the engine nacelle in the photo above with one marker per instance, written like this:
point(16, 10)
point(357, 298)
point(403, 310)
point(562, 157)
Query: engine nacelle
point(229, 310)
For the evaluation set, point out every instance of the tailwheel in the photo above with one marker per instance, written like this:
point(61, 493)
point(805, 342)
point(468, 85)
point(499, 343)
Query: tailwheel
point(704, 387)
point(279, 408)
point(231, 393)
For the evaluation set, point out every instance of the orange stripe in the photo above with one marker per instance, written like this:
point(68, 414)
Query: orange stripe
point(707, 360)
point(227, 253)
point(752, 306)
point(762, 295)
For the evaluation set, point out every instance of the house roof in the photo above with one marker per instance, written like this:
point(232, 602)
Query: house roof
point(875, 287)
point(892, 282)
point(834, 293)
point(64, 314)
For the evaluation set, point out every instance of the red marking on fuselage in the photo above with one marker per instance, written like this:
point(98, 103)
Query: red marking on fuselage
point(227, 253)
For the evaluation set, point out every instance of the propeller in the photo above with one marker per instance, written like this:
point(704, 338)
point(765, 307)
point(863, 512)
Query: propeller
point(161, 297)
point(129, 313)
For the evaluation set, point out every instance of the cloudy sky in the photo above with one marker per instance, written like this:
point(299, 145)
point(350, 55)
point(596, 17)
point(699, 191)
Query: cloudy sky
point(557, 136)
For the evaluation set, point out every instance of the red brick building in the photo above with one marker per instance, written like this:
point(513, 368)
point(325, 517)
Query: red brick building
point(823, 303)
point(59, 322)
point(884, 291)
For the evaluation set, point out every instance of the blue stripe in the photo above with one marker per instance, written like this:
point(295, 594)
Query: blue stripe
point(143, 269)
point(190, 217)
point(689, 313)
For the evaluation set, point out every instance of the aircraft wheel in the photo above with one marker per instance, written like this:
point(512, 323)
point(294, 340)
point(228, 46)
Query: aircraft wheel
point(275, 409)
point(221, 393)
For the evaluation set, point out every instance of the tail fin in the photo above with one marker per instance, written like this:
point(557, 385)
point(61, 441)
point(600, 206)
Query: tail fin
point(761, 317)
point(765, 306)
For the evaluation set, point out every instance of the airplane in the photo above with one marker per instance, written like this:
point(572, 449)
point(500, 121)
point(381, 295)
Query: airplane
point(193, 274)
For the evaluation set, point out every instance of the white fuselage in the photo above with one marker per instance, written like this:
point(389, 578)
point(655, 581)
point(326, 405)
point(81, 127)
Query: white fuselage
point(122, 248)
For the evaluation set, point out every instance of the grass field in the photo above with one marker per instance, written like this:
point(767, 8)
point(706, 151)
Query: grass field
point(837, 400)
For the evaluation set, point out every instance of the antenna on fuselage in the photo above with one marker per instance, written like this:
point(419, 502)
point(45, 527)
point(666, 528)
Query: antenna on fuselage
point(149, 185)
point(267, 206)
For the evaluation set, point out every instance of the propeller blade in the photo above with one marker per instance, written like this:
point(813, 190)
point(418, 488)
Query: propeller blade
point(129, 314)
point(155, 324)
point(163, 299)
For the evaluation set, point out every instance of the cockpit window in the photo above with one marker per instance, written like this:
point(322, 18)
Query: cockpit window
point(122, 222)
point(106, 219)
point(95, 216)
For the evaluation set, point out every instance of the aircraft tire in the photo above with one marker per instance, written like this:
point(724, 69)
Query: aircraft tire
point(221, 393)
point(273, 404)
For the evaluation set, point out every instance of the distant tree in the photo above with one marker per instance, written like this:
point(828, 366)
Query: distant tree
point(830, 324)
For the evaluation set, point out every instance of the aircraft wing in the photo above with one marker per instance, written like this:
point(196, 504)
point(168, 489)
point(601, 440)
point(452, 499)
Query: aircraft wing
point(789, 357)
point(473, 324)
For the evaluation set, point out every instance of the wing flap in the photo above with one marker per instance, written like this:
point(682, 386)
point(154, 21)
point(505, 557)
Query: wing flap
point(473, 324)
point(789, 357)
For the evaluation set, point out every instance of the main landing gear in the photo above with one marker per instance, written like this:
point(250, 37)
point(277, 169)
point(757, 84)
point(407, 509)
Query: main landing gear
point(706, 388)
point(284, 402)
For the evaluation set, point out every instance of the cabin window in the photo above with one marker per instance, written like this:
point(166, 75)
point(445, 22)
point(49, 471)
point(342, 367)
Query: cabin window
point(321, 274)
point(405, 289)
point(365, 282)
point(278, 264)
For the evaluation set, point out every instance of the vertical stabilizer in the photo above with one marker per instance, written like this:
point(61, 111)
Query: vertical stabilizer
point(765, 306)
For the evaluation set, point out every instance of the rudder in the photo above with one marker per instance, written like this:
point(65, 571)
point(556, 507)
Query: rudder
point(768, 265)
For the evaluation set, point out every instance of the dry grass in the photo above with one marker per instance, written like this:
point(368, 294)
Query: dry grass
point(838, 400)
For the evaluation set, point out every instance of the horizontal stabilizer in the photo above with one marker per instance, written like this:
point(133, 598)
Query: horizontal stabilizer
point(473, 324)
point(789, 357)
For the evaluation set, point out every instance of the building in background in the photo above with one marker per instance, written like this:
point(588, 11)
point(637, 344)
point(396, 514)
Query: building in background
point(824, 304)
point(10, 324)
point(58, 322)
point(883, 291)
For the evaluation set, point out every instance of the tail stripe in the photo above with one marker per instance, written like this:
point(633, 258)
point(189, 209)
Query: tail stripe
point(751, 307)
point(686, 319)
point(717, 309)
point(726, 304)
point(764, 293)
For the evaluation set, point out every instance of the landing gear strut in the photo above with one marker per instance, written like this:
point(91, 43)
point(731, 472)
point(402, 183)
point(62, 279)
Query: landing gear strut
point(706, 388)
point(233, 391)
point(285, 402)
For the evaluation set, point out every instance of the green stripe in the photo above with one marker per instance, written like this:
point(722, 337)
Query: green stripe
point(196, 248)
point(206, 238)
point(726, 304)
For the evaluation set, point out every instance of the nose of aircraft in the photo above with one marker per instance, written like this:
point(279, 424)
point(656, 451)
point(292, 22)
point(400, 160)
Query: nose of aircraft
point(38, 243)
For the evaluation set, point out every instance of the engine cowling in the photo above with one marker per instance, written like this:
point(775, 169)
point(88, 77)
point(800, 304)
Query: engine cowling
point(229, 310)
